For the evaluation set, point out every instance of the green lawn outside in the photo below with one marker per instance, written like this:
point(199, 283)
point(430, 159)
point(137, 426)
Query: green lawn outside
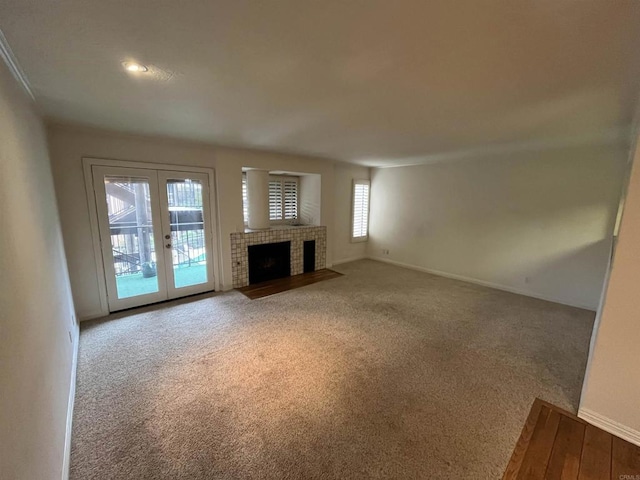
point(135, 284)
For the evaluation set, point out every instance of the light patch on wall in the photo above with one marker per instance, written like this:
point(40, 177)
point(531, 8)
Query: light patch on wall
point(612, 136)
point(163, 74)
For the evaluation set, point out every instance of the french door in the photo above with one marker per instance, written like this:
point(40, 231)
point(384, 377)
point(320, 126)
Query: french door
point(155, 234)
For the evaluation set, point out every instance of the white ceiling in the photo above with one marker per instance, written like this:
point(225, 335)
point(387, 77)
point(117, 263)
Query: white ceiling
point(377, 82)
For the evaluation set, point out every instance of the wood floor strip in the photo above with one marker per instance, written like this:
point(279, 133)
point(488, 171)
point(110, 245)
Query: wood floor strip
point(562, 411)
point(511, 472)
point(567, 450)
point(536, 459)
point(272, 287)
point(595, 462)
point(625, 460)
point(557, 445)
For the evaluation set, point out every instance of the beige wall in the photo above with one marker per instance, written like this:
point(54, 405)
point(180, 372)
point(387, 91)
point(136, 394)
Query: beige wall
point(537, 223)
point(68, 145)
point(310, 199)
point(611, 395)
point(345, 174)
point(36, 310)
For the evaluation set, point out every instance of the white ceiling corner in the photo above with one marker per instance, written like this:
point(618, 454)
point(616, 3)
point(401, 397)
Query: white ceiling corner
point(14, 67)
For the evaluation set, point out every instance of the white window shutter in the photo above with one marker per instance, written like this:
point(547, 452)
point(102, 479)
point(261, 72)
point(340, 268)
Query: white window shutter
point(275, 200)
point(290, 199)
point(245, 200)
point(360, 223)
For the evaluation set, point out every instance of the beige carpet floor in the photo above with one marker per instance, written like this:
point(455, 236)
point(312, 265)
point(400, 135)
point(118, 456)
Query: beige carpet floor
point(382, 373)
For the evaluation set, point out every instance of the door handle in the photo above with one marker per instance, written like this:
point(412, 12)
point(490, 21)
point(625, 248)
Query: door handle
point(168, 245)
point(167, 236)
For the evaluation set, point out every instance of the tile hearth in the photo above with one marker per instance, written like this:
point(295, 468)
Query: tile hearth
point(240, 241)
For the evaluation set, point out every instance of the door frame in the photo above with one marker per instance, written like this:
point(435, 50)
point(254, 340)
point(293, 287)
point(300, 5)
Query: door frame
point(89, 162)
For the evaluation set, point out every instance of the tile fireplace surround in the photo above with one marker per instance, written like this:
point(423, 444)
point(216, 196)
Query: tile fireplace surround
point(240, 241)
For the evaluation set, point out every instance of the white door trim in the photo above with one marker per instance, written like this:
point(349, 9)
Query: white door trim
point(88, 163)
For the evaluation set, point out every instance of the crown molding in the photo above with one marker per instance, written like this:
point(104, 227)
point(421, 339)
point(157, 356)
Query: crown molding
point(12, 63)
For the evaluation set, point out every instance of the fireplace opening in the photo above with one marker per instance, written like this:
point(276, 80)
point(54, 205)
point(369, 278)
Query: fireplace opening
point(309, 256)
point(269, 261)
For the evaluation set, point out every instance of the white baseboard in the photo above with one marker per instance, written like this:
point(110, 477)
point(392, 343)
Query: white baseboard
point(92, 316)
point(484, 283)
point(347, 260)
point(72, 395)
point(611, 426)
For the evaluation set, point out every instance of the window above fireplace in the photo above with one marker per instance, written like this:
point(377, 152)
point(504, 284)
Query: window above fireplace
point(283, 198)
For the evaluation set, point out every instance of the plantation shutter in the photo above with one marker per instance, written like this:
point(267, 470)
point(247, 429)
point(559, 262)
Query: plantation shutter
point(275, 200)
point(245, 200)
point(360, 231)
point(290, 199)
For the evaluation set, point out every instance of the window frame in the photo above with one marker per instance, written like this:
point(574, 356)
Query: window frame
point(355, 183)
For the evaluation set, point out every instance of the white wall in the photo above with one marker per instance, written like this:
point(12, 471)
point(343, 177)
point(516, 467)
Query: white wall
point(344, 175)
point(68, 145)
point(310, 199)
point(611, 395)
point(257, 198)
point(538, 223)
point(36, 311)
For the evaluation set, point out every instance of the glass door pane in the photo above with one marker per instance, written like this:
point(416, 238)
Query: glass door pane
point(128, 210)
point(188, 238)
point(131, 234)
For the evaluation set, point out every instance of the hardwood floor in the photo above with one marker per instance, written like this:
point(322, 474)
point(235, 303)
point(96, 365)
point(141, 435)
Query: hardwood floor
point(556, 444)
point(271, 287)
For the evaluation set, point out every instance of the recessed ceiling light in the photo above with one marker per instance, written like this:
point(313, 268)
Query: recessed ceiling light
point(134, 67)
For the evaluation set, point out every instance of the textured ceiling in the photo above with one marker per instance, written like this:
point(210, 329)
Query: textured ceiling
point(376, 82)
